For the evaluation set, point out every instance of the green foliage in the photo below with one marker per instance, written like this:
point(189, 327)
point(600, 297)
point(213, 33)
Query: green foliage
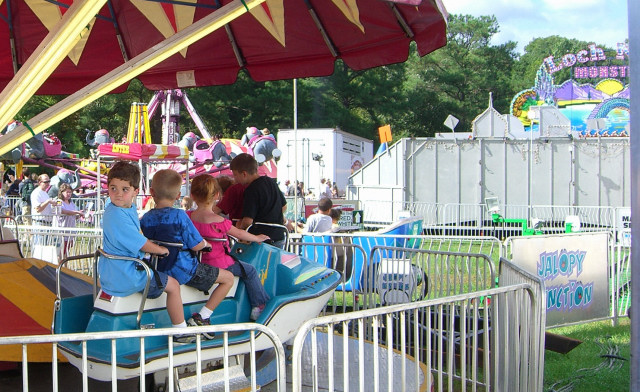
point(458, 78)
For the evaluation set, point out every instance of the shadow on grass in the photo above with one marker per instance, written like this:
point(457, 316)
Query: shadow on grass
point(600, 363)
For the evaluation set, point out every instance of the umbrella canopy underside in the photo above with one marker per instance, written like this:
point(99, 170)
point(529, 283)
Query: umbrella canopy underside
point(279, 39)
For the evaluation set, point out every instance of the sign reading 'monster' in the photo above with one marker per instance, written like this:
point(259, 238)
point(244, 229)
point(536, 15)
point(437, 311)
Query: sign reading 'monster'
point(574, 270)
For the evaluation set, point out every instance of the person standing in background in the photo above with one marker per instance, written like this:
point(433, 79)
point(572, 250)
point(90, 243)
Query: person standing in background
point(25, 189)
point(68, 214)
point(14, 186)
point(324, 190)
point(320, 222)
point(41, 202)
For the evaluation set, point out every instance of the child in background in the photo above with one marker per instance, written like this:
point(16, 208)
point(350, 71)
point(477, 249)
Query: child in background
point(204, 191)
point(168, 224)
point(320, 222)
point(186, 203)
point(122, 237)
point(335, 214)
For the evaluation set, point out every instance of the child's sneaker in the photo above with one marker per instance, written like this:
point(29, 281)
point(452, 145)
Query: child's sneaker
point(186, 338)
point(256, 312)
point(197, 321)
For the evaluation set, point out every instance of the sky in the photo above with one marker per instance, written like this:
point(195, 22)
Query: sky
point(603, 22)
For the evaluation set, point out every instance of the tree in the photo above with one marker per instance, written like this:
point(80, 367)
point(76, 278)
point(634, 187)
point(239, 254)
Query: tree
point(534, 54)
point(458, 78)
point(357, 101)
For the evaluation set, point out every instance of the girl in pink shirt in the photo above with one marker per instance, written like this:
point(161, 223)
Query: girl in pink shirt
point(205, 191)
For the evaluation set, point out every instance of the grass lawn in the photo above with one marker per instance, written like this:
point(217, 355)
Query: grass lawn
point(600, 363)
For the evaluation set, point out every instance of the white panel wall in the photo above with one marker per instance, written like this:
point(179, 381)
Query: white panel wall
point(554, 171)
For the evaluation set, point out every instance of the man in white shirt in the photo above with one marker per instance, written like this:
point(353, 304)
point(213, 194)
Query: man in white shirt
point(284, 187)
point(41, 202)
point(325, 189)
point(321, 221)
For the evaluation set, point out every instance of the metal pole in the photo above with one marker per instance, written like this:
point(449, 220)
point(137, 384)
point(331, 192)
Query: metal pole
point(634, 82)
point(295, 151)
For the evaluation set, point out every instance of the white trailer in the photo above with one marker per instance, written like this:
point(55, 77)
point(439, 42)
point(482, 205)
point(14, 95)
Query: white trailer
point(309, 155)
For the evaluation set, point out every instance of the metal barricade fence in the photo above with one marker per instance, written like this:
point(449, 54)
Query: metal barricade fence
point(591, 218)
point(13, 204)
point(620, 281)
point(52, 244)
point(26, 343)
point(92, 220)
point(382, 212)
point(399, 275)
point(8, 228)
point(339, 254)
point(448, 344)
point(318, 246)
point(525, 336)
point(486, 245)
point(461, 219)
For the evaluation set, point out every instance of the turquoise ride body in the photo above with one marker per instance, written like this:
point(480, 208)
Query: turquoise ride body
point(286, 278)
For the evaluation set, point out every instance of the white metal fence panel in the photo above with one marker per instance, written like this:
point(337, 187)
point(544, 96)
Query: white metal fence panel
point(199, 365)
point(400, 275)
point(457, 219)
point(620, 281)
point(441, 344)
point(52, 244)
point(520, 334)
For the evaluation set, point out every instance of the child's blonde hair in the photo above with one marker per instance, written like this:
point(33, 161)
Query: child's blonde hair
point(166, 184)
point(204, 188)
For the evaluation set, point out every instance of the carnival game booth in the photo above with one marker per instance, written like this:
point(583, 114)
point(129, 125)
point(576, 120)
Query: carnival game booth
point(355, 259)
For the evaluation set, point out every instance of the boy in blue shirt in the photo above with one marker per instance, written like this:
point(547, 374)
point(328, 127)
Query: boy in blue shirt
point(123, 237)
point(167, 224)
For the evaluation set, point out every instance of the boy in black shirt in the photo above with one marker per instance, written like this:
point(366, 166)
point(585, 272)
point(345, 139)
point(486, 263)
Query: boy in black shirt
point(263, 200)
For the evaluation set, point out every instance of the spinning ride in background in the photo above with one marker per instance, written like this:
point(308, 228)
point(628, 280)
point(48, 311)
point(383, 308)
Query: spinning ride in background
point(208, 153)
point(261, 144)
point(41, 146)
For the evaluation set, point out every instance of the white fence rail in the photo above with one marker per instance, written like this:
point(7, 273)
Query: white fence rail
point(476, 220)
point(52, 244)
point(460, 342)
point(27, 342)
point(449, 343)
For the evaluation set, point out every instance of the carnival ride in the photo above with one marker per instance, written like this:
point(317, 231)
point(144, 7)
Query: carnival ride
point(191, 153)
point(27, 295)
point(594, 110)
point(298, 288)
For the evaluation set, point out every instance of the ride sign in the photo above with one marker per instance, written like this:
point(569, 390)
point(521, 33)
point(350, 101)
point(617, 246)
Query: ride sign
point(574, 270)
